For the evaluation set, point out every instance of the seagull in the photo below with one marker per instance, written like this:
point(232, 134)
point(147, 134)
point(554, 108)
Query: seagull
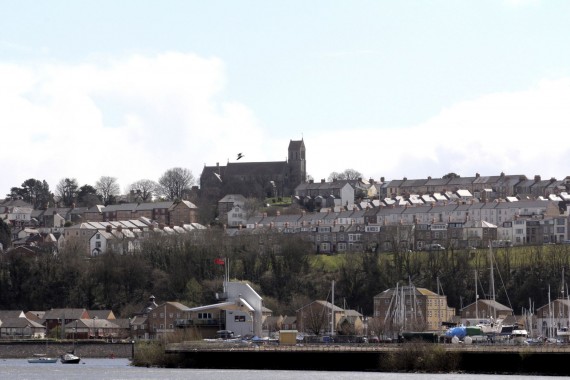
point(218, 176)
point(240, 155)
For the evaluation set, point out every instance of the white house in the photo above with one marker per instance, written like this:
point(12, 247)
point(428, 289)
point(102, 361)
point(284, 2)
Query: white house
point(241, 307)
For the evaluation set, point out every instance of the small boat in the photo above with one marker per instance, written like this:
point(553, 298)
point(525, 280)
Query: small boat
point(519, 336)
point(70, 358)
point(41, 358)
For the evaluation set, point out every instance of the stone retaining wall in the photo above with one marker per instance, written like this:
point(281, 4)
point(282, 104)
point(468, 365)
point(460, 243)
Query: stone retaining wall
point(85, 349)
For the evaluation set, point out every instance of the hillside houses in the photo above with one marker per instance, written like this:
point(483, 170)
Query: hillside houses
point(123, 237)
point(453, 225)
point(100, 228)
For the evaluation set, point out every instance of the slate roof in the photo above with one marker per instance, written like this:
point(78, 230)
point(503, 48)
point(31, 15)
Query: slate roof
point(20, 323)
point(63, 313)
point(256, 168)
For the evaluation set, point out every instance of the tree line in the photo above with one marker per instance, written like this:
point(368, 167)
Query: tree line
point(175, 183)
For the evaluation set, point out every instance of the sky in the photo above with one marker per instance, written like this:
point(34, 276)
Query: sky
point(393, 89)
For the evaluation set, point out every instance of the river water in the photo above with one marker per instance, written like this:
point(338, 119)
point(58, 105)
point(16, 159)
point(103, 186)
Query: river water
point(115, 369)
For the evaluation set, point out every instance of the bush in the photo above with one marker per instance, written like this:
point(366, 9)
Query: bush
point(421, 357)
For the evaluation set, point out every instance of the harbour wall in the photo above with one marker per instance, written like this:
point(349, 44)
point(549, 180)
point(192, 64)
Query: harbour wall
point(85, 349)
point(482, 361)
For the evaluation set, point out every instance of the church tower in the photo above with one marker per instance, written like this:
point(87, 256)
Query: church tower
point(297, 164)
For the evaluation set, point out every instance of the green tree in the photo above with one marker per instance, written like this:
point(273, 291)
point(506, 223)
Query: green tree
point(87, 196)
point(5, 235)
point(35, 192)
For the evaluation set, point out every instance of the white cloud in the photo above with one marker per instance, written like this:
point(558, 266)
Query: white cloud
point(131, 118)
point(137, 116)
point(517, 133)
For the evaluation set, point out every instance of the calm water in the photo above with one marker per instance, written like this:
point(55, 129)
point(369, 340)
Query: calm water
point(115, 369)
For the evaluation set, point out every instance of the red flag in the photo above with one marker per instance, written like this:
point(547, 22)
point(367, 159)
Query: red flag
point(219, 261)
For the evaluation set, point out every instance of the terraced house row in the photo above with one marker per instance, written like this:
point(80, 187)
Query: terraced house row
point(452, 225)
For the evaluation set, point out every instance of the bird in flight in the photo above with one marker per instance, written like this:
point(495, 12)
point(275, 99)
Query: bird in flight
point(240, 155)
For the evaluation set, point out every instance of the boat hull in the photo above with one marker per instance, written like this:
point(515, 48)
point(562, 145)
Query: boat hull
point(70, 359)
point(42, 360)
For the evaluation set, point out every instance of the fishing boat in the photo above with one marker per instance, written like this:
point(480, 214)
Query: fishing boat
point(42, 358)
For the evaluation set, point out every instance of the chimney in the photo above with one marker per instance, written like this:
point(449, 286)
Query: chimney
point(119, 228)
point(477, 175)
point(108, 228)
point(323, 180)
point(536, 178)
point(382, 179)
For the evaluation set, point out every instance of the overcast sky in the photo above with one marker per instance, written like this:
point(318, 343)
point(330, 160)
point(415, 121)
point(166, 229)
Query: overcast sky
point(392, 89)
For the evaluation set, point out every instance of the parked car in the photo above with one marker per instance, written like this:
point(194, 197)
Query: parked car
point(225, 334)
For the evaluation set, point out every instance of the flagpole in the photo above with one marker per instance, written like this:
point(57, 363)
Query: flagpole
point(227, 269)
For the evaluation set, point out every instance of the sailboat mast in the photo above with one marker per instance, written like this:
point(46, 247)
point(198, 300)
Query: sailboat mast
point(438, 307)
point(476, 297)
point(492, 280)
point(332, 310)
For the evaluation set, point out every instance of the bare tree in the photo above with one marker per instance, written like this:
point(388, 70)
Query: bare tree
point(144, 189)
point(176, 182)
point(347, 174)
point(252, 206)
point(315, 320)
point(67, 190)
point(107, 188)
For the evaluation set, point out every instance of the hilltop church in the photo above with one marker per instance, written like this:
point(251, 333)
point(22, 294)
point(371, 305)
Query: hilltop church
point(269, 179)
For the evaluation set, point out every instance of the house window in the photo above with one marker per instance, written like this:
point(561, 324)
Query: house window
point(98, 236)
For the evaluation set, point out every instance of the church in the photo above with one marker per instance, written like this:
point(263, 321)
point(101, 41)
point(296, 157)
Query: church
point(257, 179)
